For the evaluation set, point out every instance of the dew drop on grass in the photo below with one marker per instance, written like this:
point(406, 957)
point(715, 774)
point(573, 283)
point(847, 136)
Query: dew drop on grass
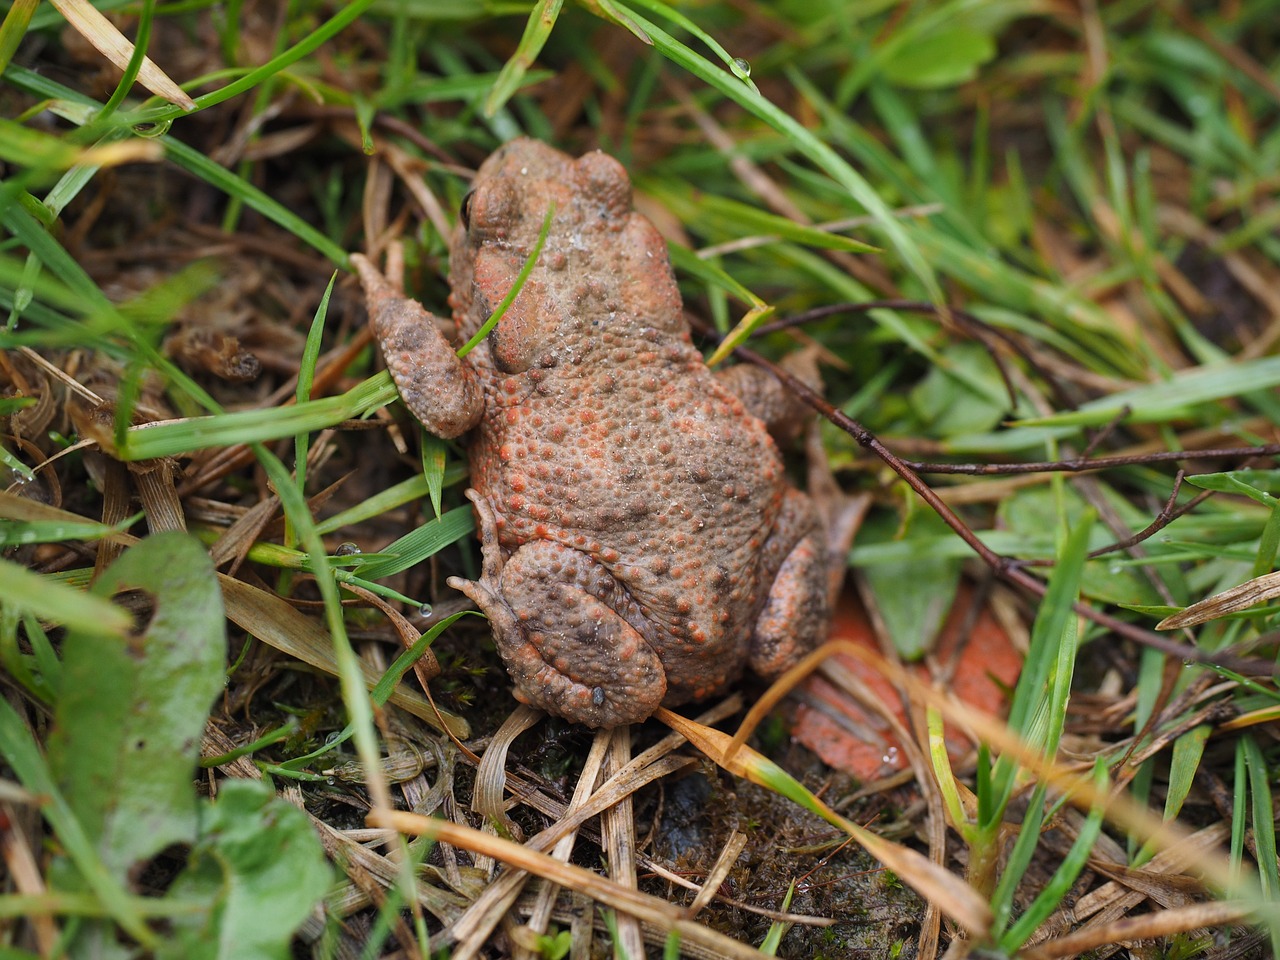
point(741, 68)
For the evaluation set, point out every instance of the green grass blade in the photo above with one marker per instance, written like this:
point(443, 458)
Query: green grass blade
point(1060, 883)
point(175, 437)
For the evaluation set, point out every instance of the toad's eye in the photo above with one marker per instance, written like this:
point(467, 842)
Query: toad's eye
point(464, 212)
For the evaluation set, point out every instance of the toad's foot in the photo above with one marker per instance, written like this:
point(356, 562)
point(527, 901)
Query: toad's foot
point(556, 621)
point(438, 388)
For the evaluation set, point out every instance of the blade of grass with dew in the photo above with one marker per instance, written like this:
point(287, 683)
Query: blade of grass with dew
point(16, 532)
point(423, 541)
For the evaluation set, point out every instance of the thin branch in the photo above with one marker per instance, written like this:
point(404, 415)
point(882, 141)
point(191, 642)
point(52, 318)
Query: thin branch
point(1004, 567)
point(1082, 464)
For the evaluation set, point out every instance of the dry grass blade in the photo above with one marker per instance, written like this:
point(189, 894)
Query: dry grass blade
point(949, 893)
point(473, 928)
point(541, 912)
point(1257, 590)
point(112, 44)
point(277, 624)
point(618, 836)
point(491, 775)
point(664, 915)
point(729, 854)
point(1120, 808)
point(1162, 924)
point(484, 914)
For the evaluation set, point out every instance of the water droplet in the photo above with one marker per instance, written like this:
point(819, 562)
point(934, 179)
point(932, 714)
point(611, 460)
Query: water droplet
point(152, 129)
point(424, 610)
point(347, 549)
point(741, 68)
point(890, 755)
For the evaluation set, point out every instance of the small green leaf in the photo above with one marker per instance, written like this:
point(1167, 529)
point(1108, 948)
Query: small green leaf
point(433, 460)
point(260, 868)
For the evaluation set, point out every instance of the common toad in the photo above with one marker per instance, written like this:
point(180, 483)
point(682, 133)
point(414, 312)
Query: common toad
point(640, 540)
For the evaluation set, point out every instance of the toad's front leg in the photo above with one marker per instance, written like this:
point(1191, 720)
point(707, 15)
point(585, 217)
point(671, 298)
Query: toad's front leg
point(442, 391)
point(562, 625)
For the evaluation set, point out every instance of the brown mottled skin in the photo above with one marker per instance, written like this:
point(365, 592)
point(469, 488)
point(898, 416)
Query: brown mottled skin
point(641, 542)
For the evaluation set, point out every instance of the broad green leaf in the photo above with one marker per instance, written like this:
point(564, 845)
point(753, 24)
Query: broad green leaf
point(259, 866)
point(131, 710)
point(23, 755)
point(946, 58)
point(914, 594)
point(949, 405)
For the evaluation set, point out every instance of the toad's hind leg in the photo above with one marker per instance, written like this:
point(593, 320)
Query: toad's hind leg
point(796, 616)
point(556, 620)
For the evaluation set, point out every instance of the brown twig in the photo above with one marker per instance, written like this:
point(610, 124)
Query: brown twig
point(1082, 464)
point(1006, 568)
